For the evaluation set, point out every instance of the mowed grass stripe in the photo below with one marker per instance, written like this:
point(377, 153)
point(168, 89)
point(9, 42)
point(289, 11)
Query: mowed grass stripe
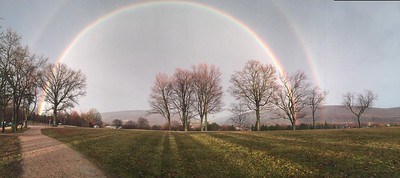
point(286, 159)
point(134, 155)
point(122, 153)
point(199, 160)
point(327, 158)
point(256, 162)
point(170, 159)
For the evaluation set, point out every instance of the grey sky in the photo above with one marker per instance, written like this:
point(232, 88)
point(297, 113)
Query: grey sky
point(353, 45)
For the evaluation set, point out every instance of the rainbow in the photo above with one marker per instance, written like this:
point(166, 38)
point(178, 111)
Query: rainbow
point(297, 33)
point(204, 7)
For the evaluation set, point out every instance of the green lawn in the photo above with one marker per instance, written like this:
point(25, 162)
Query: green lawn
point(322, 153)
point(10, 156)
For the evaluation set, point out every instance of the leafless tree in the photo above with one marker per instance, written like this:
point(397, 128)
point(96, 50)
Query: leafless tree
point(182, 95)
point(208, 91)
point(19, 71)
point(29, 103)
point(10, 41)
point(290, 99)
point(240, 115)
point(62, 87)
point(129, 125)
point(255, 86)
point(358, 105)
point(93, 118)
point(315, 98)
point(160, 98)
point(117, 123)
point(143, 123)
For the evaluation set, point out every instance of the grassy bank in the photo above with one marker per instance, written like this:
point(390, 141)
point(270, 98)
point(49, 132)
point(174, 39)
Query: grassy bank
point(337, 153)
point(10, 156)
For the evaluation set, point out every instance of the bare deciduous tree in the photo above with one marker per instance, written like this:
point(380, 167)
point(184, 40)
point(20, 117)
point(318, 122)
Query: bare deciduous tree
point(10, 41)
point(29, 103)
point(117, 123)
point(290, 99)
point(358, 105)
point(129, 125)
point(208, 91)
point(255, 86)
point(22, 77)
point(239, 115)
point(182, 95)
point(62, 86)
point(314, 99)
point(160, 98)
point(143, 123)
point(93, 118)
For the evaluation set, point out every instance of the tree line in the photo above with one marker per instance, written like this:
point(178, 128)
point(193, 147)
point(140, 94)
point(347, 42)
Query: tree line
point(187, 93)
point(24, 75)
point(257, 87)
point(90, 118)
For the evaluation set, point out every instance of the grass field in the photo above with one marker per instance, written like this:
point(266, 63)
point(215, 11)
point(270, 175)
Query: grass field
point(10, 156)
point(328, 153)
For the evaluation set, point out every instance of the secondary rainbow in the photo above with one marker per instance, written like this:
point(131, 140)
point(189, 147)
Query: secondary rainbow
point(300, 38)
point(204, 7)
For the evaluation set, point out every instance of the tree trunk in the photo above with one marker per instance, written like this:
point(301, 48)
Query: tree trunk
point(3, 127)
point(294, 124)
point(169, 124)
point(201, 123)
point(54, 117)
point(26, 118)
point(185, 125)
point(14, 117)
point(205, 122)
point(313, 120)
point(359, 123)
point(26, 122)
point(258, 119)
point(185, 122)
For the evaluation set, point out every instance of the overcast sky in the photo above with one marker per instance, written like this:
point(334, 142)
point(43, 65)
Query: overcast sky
point(342, 46)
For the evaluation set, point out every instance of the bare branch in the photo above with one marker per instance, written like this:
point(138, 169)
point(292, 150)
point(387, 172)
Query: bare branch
point(358, 105)
point(182, 95)
point(240, 115)
point(291, 98)
point(62, 86)
point(208, 91)
point(315, 98)
point(254, 85)
point(161, 97)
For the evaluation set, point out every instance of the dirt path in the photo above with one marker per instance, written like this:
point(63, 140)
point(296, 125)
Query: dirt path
point(43, 156)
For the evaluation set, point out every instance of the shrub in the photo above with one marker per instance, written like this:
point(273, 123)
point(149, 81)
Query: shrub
point(143, 123)
point(129, 125)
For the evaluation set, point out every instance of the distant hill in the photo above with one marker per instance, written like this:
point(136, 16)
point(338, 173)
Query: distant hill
point(335, 115)
point(329, 113)
point(339, 114)
point(154, 119)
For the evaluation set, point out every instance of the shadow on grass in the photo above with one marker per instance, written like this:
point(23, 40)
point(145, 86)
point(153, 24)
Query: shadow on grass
point(342, 160)
point(10, 156)
point(199, 160)
point(132, 156)
point(171, 165)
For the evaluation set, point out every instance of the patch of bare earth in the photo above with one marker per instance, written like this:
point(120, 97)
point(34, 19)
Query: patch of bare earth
point(43, 156)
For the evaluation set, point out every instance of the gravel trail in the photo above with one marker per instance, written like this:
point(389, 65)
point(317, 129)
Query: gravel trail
point(43, 156)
